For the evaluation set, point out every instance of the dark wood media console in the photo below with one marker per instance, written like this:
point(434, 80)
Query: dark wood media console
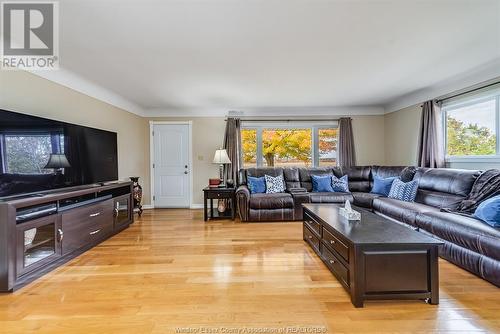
point(40, 232)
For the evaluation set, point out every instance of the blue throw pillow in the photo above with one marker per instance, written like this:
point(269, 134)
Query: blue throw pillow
point(340, 185)
point(382, 186)
point(257, 185)
point(404, 191)
point(489, 211)
point(322, 183)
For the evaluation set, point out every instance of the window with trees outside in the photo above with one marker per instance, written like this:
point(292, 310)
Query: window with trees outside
point(27, 153)
point(472, 126)
point(294, 145)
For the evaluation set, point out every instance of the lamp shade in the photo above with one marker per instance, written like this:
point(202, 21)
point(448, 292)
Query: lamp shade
point(57, 161)
point(221, 157)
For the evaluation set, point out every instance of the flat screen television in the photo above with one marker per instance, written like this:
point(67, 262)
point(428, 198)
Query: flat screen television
point(39, 155)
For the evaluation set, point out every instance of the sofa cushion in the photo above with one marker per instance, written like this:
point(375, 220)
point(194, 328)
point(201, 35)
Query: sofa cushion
point(405, 212)
point(464, 231)
point(359, 178)
point(438, 200)
point(382, 186)
point(271, 201)
point(274, 184)
point(292, 178)
point(446, 180)
point(387, 171)
point(489, 211)
point(322, 183)
point(305, 175)
point(330, 197)
point(444, 187)
point(257, 185)
point(340, 185)
point(364, 199)
point(403, 191)
point(408, 173)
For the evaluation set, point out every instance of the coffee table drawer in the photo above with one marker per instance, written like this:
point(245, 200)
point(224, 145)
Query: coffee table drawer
point(312, 224)
point(336, 244)
point(341, 272)
point(311, 238)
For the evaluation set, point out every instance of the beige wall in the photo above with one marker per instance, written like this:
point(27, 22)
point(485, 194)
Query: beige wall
point(369, 139)
point(401, 136)
point(24, 92)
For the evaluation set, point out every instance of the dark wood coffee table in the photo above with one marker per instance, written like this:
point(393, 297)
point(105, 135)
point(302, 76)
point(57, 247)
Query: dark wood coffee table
point(374, 258)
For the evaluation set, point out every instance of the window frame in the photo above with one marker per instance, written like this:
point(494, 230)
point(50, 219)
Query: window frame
point(468, 101)
point(313, 126)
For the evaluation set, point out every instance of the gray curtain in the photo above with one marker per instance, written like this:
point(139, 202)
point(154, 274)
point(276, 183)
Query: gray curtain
point(430, 142)
point(346, 152)
point(232, 143)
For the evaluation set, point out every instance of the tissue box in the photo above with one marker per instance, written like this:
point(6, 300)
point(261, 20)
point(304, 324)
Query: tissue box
point(350, 215)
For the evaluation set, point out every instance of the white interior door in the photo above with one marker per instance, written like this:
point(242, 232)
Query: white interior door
point(171, 167)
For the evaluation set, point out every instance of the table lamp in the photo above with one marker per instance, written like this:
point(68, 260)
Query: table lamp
point(57, 162)
point(221, 158)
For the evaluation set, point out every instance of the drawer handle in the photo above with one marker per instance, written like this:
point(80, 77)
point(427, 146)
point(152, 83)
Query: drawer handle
point(95, 214)
point(332, 241)
point(95, 232)
point(310, 237)
point(332, 261)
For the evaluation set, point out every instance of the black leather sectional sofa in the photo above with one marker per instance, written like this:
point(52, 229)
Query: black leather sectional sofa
point(468, 242)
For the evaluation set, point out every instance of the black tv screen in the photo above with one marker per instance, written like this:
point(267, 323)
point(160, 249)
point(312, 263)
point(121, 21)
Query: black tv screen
point(38, 155)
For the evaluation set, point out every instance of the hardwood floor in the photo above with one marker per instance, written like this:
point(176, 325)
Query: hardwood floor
point(171, 270)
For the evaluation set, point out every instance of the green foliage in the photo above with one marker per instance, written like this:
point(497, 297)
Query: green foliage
point(286, 144)
point(469, 139)
point(27, 154)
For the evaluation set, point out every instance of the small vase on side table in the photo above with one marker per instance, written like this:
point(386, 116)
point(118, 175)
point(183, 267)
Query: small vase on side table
point(137, 195)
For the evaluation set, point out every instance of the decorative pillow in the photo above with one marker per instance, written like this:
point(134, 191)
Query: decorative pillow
point(274, 184)
point(382, 186)
point(256, 185)
point(340, 185)
point(322, 183)
point(404, 191)
point(408, 173)
point(489, 211)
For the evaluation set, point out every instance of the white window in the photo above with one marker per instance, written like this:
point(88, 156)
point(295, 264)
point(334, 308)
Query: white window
point(299, 144)
point(472, 125)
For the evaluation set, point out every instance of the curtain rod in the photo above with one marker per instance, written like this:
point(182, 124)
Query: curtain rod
point(285, 120)
point(468, 91)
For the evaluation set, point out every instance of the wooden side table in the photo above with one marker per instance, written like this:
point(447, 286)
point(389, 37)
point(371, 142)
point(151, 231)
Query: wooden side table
point(219, 193)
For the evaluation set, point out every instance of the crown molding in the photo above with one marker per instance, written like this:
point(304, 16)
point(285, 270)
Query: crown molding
point(77, 83)
point(478, 75)
point(266, 112)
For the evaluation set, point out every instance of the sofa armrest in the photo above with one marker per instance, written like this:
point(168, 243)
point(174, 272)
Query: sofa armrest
point(298, 199)
point(243, 200)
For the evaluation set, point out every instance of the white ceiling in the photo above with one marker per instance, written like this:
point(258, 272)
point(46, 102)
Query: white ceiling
point(204, 56)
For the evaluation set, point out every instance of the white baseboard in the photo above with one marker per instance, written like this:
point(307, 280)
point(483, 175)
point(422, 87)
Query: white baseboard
point(147, 207)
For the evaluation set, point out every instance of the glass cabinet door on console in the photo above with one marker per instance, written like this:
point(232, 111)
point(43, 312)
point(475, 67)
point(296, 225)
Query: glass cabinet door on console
point(122, 211)
point(38, 242)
